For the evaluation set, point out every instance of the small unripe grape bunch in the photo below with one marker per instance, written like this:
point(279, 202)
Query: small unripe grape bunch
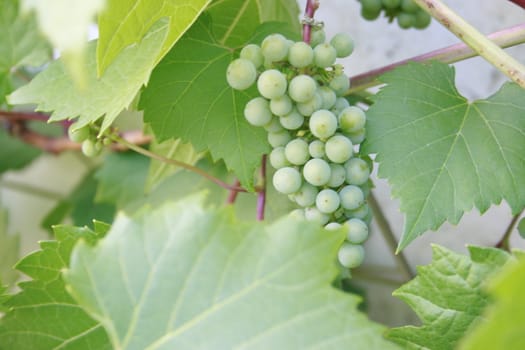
point(407, 13)
point(314, 131)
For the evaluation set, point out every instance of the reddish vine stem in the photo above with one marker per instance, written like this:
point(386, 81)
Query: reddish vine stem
point(504, 241)
point(311, 7)
point(261, 195)
point(520, 3)
point(233, 194)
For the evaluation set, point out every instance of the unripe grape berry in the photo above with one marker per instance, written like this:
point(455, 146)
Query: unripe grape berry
point(352, 119)
point(89, 148)
point(316, 149)
point(257, 112)
point(296, 152)
point(271, 84)
point(278, 158)
point(352, 197)
point(372, 5)
point(323, 124)
point(310, 106)
point(317, 37)
point(281, 105)
point(275, 47)
point(77, 134)
point(357, 171)
point(274, 125)
point(253, 53)
point(300, 54)
point(241, 74)
point(324, 55)
point(423, 19)
point(357, 231)
point(359, 213)
point(340, 84)
point(287, 180)
point(391, 4)
point(357, 137)
point(306, 195)
point(338, 149)
point(343, 44)
point(332, 226)
point(406, 20)
point(337, 175)
point(317, 172)
point(297, 214)
point(313, 214)
point(370, 15)
point(409, 6)
point(327, 201)
point(279, 138)
point(351, 255)
point(328, 97)
point(302, 88)
point(292, 121)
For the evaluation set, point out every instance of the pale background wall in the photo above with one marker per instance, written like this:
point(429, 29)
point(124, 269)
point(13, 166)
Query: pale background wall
point(377, 43)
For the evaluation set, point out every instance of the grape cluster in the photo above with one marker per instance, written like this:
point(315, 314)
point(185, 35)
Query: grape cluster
point(91, 145)
point(407, 12)
point(313, 130)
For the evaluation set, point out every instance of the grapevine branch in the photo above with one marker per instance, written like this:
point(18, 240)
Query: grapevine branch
point(311, 7)
point(261, 196)
point(505, 38)
point(504, 241)
point(520, 3)
point(473, 38)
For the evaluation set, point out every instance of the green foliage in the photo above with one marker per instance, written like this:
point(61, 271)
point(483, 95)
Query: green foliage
point(9, 146)
point(125, 22)
point(54, 90)
point(9, 250)
point(216, 270)
point(43, 315)
point(443, 154)
point(505, 320)
point(521, 227)
point(448, 296)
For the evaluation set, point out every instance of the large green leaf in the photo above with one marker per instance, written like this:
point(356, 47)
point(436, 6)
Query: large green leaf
point(9, 146)
point(182, 277)
point(20, 42)
point(188, 98)
point(443, 154)
point(43, 315)
point(505, 320)
point(233, 28)
point(125, 22)
point(54, 90)
point(448, 296)
point(9, 250)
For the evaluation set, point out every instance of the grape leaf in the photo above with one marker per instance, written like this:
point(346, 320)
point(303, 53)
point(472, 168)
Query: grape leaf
point(9, 145)
point(233, 28)
point(54, 90)
point(43, 315)
point(443, 154)
point(188, 98)
point(181, 276)
point(20, 41)
point(125, 22)
point(521, 227)
point(448, 297)
point(9, 250)
point(504, 324)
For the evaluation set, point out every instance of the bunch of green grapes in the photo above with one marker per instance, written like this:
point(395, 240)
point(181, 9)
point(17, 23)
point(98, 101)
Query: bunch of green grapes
point(314, 132)
point(91, 146)
point(407, 12)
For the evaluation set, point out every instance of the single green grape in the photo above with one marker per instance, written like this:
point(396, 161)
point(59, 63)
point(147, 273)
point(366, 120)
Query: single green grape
point(357, 137)
point(253, 53)
point(332, 226)
point(352, 119)
point(359, 213)
point(338, 149)
point(327, 201)
point(281, 105)
point(313, 214)
point(423, 19)
point(337, 175)
point(409, 6)
point(340, 84)
point(317, 37)
point(351, 255)
point(275, 47)
point(316, 149)
point(340, 104)
point(310, 106)
point(302, 88)
point(274, 125)
point(391, 4)
point(272, 84)
point(300, 54)
point(343, 44)
point(357, 231)
point(241, 74)
point(287, 180)
point(279, 138)
point(352, 197)
point(317, 172)
point(372, 5)
point(296, 152)
point(357, 171)
point(90, 148)
point(257, 112)
point(328, 97)
point(306, 195)
point(323, 124)
point(406, 20)
point(278, 158)
point(324, 55)
point(292, 121)
point(77, 134)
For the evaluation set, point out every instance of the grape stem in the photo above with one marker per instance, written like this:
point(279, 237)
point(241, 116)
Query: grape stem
point(505, 38)
point(311, 7)
point(390, 238)
point(504, 241)
point(261, 195)
point(473, 38)
point(232, 196)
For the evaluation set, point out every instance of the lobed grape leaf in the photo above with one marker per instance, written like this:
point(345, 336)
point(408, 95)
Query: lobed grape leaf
point(443, 154)
point(54, 89)
point(185, 277)
point(9, 146)
point(234, 28)
point(188, 98)
point(124, 22)
point(448, 297)
point(503, 327)
point(43, 315)
point(9, 250)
